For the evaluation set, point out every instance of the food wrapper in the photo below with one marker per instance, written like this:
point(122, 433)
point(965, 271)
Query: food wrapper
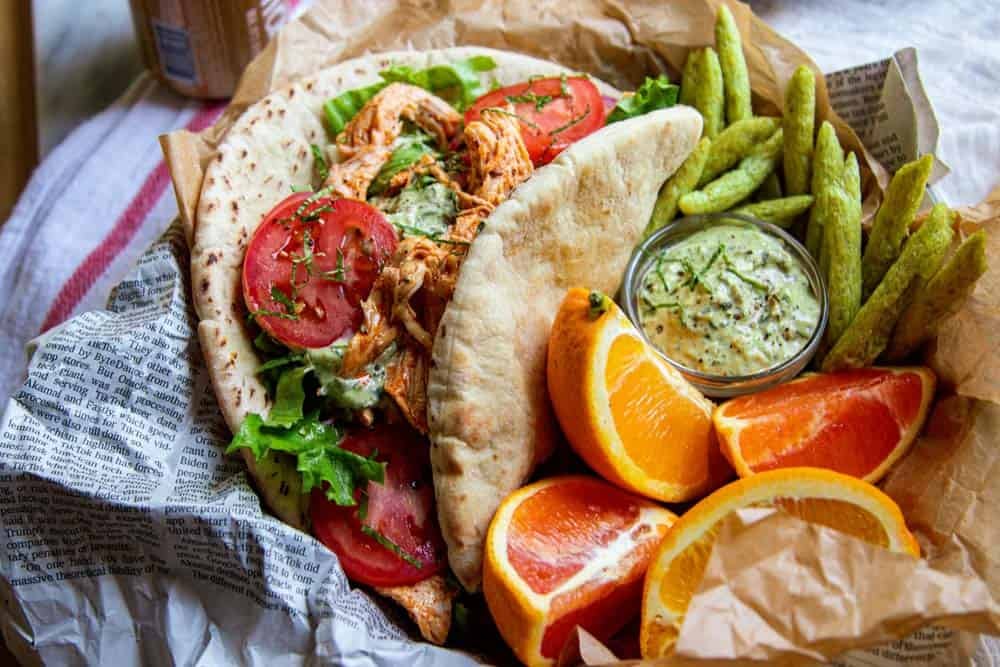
point(129, 537)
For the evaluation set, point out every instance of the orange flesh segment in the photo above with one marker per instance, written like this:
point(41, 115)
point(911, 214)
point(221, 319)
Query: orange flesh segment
point(600, 608)
point(547, 553)
point(849, 422)
point(839, 515)
point(646, 407)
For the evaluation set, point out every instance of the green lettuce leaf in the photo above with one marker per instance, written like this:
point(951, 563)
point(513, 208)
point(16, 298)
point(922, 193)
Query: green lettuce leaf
point(289, 397)
point(409, 149)
point(319, 456)
point(653, 94)
point(341, 109)
point(457, 82)
point(460, 79)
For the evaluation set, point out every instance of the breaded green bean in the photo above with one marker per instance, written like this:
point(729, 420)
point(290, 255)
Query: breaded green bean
point(828, 166)
point(850, 182)
point(893, 220)
point(799, 119)
point(945, 294)
point(702, 88)
point(734, 66)
point(842, 254)
point(870, 330)
point(733, 187)
point(734, 143)
point(682, 182)
point(769, 189)
point(781, 212)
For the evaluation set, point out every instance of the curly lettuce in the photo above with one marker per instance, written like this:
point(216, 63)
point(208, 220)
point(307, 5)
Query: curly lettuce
point(654, 93)
point(316, 446)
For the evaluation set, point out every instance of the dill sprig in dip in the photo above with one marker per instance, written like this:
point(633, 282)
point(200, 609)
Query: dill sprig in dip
point(729, 300)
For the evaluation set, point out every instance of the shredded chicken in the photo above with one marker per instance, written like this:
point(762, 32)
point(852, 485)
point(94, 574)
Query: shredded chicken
point(366, 143)
point(380, 121)
point(428, 603)
point(406, 383)
point(420, 278)
point(350, 179)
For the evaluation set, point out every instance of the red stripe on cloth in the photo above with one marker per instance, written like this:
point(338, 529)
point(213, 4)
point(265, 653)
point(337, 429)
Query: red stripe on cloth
point(124, 229)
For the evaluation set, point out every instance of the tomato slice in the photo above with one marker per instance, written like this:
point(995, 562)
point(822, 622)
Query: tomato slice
point(554, 112)
point(350, 242)
point(401, 510)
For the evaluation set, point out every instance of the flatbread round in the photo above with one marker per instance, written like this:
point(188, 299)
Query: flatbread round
point(574, 223)
point(263, 155)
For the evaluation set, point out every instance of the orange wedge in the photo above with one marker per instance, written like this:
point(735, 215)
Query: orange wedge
point(857, 422)
point(627, 412)
point(840, 502)
point(563, 552)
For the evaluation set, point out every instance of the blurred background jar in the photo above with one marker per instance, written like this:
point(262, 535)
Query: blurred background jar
point(200, 47)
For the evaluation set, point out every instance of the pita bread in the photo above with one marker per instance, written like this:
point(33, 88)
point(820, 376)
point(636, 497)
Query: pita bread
point(574, 223)
point(261, 157)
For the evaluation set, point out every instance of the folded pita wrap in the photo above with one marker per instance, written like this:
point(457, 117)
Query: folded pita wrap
point(574, 222)
point(264, 154)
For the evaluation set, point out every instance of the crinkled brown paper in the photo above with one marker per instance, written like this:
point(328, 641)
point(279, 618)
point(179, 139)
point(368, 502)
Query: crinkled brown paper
point(776, 589)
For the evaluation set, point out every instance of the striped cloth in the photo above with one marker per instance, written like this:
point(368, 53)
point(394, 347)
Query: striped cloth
point(92, 207)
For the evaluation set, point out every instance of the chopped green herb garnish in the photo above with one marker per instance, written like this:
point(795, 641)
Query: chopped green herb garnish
point(278, 295)
point(319, 162)
point(312, 199)
point(756, 284)
point(262, 312)
point(527, 122)
point(391, 546)
point(530, 98)
point(305, 260)
point(338, 274)
point(314, 215)
point(417, 231)
point(695, 277)
point(563, 85)
point(573, 122)
point(653, 307)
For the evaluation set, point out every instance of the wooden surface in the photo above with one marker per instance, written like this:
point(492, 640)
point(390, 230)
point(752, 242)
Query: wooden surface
point(18, 128)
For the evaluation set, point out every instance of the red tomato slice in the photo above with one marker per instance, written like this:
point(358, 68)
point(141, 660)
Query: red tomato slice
point(554, 112)
point(402, 510)
point(346, 234)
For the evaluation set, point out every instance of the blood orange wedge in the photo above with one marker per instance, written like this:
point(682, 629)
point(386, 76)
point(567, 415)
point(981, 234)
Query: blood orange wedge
point(627, 412)
point(563, 552)
point(837, 501)
point(857, 422)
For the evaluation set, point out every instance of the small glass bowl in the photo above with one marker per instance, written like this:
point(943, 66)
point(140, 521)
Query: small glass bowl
point(725, 386)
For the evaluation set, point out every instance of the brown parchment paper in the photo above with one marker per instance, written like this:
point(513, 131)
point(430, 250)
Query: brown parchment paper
point(945, 485)
point(618, 41)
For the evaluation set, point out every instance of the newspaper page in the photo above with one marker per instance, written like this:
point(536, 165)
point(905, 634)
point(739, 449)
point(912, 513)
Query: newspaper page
point(886, 105)
point(128, 537)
